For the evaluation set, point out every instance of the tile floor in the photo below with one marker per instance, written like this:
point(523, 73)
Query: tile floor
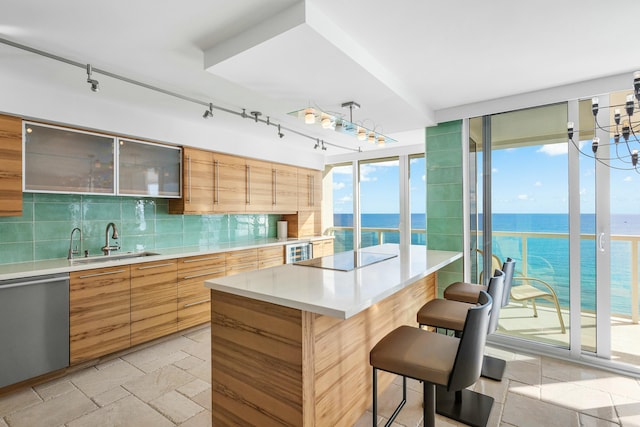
point(168, 384)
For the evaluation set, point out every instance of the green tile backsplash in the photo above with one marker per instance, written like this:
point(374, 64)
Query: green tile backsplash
point(43, 230)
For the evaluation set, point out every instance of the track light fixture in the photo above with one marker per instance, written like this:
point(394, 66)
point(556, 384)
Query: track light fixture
point(280, 134)
point(315, 147)
point(208, 113)
point(95, 85)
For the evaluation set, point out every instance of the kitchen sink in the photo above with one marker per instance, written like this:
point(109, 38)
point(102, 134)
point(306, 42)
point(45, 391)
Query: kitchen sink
point(114, 257)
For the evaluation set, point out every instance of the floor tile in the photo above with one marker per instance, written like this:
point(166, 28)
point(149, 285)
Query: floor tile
point(582, 399)
point(523, 411)
point(111, 396)
point(203, 399)
point(203, 419)
point(155, 384)
point(194, 387)
point(53, 412)
point(54, 389)
point(18, 400)
point(94, 381)
point(176, 407)
point(129, 411)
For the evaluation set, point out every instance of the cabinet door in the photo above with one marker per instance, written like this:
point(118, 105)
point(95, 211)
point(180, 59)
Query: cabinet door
point(270, 256)
point(198, 174)
point(230, 183)
point(147, 169)
point(309, 190)
point(154, 299)
point(99, 320)
point(285, 187)
point(194, 299)
point(241, 261)
point(259, 186)
point(10, 166)
point(68, 161)
point(327, 247)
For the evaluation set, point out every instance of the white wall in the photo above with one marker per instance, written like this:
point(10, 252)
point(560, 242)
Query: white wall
point(46, 90)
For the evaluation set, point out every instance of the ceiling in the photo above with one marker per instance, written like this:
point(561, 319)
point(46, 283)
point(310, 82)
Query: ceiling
point(403, 62)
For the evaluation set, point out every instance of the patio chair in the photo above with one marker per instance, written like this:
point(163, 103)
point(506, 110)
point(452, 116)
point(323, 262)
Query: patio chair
point(531, 288)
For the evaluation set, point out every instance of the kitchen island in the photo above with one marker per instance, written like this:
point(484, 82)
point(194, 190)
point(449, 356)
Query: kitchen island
point(290, 344)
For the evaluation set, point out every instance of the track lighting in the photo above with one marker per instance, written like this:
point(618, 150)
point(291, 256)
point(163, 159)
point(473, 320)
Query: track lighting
point(208, 113)
point(280, 134)
point(324, 147)
point(315, 147)
point(95, 85)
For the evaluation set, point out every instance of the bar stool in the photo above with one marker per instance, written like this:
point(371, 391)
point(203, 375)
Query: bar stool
point(493, 367)
point(465, 406)
point(435, 359)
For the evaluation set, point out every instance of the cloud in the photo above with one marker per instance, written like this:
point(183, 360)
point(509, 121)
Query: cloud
point(554, 149)
point(365, 170)
point(494, 170)
point(424, 177)
point(537, 184)
point(345, 199)
point(343, 170)
point(338, 185)
point(628, 179)
point(523, 197)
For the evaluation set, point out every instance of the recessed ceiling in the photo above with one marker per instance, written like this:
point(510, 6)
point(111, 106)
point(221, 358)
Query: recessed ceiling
point(403, 62)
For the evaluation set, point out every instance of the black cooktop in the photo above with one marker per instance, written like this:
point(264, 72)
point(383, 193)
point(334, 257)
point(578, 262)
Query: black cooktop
point(346, 261)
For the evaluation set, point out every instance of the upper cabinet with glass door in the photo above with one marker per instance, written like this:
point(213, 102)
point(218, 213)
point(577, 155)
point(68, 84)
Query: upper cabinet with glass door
point(148, 169)
point(67, 161)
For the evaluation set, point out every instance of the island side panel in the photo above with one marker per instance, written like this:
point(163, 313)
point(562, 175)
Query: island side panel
point(342, 370)
point(256, 362)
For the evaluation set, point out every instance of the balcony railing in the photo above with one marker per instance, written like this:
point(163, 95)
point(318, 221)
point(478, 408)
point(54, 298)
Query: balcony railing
point(530, 250)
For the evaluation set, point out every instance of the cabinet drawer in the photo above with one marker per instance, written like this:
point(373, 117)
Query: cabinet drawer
point(194, 263)
point(246, 256)
point(242, 268)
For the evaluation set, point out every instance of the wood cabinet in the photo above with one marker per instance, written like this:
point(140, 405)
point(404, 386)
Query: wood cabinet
point(309, 189)
point(260, 197)
point(194, 298)
point(154, 299)
point(241, 261)
point(99, 312)
point(10, 166)
point(322, 248)
point(229, 183)
point(270, 256)
point(285, 188)
point(198, 180)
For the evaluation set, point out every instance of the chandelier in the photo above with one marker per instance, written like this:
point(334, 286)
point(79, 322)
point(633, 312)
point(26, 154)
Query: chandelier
point(336, 122)
point(625, 143)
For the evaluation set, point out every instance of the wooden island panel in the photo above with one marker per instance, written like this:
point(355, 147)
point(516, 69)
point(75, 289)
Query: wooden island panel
point(273, 365)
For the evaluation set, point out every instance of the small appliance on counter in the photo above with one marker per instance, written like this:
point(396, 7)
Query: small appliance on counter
point(282, 231)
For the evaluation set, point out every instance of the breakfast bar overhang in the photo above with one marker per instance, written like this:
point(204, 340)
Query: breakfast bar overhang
point(290, 344)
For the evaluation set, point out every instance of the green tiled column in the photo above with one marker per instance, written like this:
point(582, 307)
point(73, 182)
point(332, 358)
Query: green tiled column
point(444, 195)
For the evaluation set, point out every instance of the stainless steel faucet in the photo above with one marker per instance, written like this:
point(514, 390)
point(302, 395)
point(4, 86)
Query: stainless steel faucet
point(108, 248)
point(75, 251)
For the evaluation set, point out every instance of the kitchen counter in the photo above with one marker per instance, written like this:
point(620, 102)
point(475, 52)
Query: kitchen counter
point(54, 266)
point(340, 294)
point(290, 344)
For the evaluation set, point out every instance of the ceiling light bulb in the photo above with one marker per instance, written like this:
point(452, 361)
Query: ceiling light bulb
point(380, 140)
point(309, 117)
point(326, 122)
point(372, 137)
point(362, 135)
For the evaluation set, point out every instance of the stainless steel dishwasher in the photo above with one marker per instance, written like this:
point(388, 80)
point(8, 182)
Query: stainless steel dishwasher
point(34, 327)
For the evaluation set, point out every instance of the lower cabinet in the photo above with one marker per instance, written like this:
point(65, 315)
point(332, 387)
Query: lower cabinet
point(241, 261)
point(194, 298)
point(99, 312)
point(322, 248)
point(154, 296)
point(270, 256)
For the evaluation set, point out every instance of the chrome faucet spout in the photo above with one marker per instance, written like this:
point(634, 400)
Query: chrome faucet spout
point(107, 248)
point(75, 251)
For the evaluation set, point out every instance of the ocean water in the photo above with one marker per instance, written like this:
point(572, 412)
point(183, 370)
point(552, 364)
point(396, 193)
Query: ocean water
point(547, 256)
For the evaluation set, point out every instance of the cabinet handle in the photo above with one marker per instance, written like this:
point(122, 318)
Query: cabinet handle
point(274, 172)
point(204, 301)
point(216, 183)
point(248, 184)
point(189, 178)
point(146, 267)
point(193, 276)
point(203, 259)
point(102, 274)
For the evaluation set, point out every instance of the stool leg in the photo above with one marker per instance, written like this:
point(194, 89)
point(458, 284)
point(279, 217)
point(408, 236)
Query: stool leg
point(429, 404)
point(375, 397)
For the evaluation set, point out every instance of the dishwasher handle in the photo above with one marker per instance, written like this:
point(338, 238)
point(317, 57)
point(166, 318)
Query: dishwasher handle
point(33, 282)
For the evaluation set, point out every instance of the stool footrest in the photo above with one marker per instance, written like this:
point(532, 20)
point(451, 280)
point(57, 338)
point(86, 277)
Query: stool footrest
point(493, 368)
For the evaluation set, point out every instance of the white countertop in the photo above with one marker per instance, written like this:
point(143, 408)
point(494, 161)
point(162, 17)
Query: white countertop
point(340, 294)
point(55, 266)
